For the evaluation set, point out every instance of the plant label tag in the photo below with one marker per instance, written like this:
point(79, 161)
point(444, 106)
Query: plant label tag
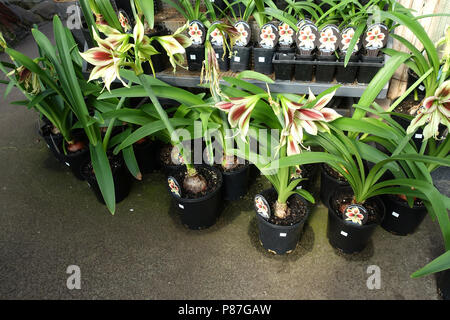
point(283, 234)
point(421, 88)
point(174, 187)
point(261, 59)
point(329, 39)
point(197, 32)
point(180, 206)
point(355, 214)
point(307, 37)
point(245, 33)
point(48, 146)
point(217, 55)
point(268, 36)
point(344, 233)
point(395, 214)
point(237, 59)
point(262, 206)
point(418, 136)
point(193, 57)
point(67, 164)
point(299, 187)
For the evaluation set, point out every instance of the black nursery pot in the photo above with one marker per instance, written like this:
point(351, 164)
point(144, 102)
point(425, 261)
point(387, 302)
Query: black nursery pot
point(365, 73)
point(195, 56)
point(347, 74)
point(283, 71)
point(199, 213)
point(328, 185)
point(325, 73)
point(277, 238)
point(122, 179)
point(54, 141)
point(76, 160)
point(241, 59)
point(235, 183)
point(400, 219)
point(262, 60)
point(304, 72)
point(443, 284)
point(224, 61)
point(350, 238)
point(145, 153)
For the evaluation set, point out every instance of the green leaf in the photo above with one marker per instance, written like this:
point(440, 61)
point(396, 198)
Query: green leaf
point(131, 162)
point(147, 7)
point(103, 174)
point(441, 263)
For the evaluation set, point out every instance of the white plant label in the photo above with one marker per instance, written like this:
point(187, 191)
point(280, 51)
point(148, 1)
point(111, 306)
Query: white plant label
point(181, 206)
point(48, 146)
point(299, 187)
point(193, 57)
point(261, 59)
point(344, 233)
point(67, 164)
point(395, 214)
point(283, 234)
point(237, 59)
point(418, 136)
point(421, 88)
point(217, 55)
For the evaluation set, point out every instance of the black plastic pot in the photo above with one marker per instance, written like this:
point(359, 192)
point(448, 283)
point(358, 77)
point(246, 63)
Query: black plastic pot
point(223, 60)
point(347, 74)
point(283, 71)
point(325, 73)
point(443, 284)
point(241, 59)
point(282, 49)
point(400, 219)
point(121, 176)
point(366, 73)
point(328, 185)
point(304, 72)
point(199, 213)
point(412, 78)
point(279, 239)
point(220, 4)
point(195, 57)
point(350, 238)
point(76, 160)
point(54, 141)
point(235, 183)
point(145, 155)
point(262, 60)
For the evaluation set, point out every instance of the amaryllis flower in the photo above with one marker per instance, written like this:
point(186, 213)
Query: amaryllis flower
point(298, 117)
point(28, 79)
point(267, 36)
point(286, 34)
point(195, 33)
point(243, 34)
point(239, 111)
point(307, 38)
point(327, 40)
point(347, 38)
point(353, 214)
point(434, 111)
point(375, 38)
point(106, 61)
point(100, 20)
point(175, 46)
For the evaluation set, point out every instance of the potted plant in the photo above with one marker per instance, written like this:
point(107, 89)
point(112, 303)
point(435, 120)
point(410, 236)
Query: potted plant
point(67, 143)
point(240, 59)
point(282, 211)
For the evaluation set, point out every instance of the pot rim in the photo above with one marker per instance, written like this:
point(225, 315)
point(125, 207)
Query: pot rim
point(341, 183)
point(207, 196)
point(230, 173)
point(364, 226)
point(280, 227)
point(403, 204)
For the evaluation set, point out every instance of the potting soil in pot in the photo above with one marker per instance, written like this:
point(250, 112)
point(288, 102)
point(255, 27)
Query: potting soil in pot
point(210, 176)
point(342, 199)
point(297, 210)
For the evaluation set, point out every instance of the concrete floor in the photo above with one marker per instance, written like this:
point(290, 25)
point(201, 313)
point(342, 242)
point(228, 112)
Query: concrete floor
point(49, 220)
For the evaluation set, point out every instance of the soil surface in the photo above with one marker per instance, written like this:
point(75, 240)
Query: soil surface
point(402, 199)
point(237, 167)
point(297, 209)
point(114, 161)
point(165, 155)
point(341, 200)
point(405, 106)
point(333, 173)
point(211, 178)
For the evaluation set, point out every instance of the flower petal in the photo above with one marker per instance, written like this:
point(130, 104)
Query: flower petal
point(97, 56)
point(443, 92)
point(322, 102)
point(235, 114)
point(330, 114)
point(292, 147)
point(309, 114)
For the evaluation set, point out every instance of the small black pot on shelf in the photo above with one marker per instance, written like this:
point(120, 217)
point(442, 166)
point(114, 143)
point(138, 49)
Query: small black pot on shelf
point(284, 49)
point(347, 74)
point(240, 60)
point(200, 213)
point(121, 176)
point(220, 4)
point(262, 60)
point(280, 239)
point(325, 73)
point(366, 73)
point(195, 57)
point(283, 65)
point(223, 60)
point(351, 237)
point(412, 78)
point(400, 219)
point(304, 72)
point(145, 155)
